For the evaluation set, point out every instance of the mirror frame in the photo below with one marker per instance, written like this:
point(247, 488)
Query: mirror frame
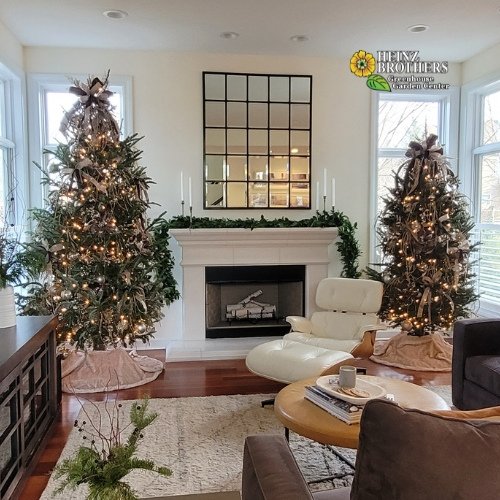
point(258, 177)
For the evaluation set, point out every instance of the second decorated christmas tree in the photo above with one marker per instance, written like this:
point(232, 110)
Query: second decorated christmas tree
point(424, 233)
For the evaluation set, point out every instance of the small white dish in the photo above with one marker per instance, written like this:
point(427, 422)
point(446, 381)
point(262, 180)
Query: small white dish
point(330, 384)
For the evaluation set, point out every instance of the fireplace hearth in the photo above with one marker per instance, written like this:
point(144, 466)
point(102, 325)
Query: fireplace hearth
point(279, 290)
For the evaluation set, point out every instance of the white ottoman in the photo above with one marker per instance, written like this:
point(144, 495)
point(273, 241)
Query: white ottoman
point(288, 361)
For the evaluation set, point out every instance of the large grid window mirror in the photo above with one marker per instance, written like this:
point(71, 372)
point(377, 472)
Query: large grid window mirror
point(257, 141)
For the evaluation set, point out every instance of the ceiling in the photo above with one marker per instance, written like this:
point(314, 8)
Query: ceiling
point(459, 29)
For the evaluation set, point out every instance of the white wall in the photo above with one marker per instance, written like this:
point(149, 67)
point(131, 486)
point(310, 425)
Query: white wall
point(168, 112)
point(11, 51)
point(483, 64)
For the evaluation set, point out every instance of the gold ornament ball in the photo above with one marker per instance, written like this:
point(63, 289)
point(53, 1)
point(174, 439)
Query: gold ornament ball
point(66, 294)
point(141, 328)
point(406, 326)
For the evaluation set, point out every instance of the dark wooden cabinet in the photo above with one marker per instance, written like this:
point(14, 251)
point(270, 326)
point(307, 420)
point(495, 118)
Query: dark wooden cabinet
point(29, 397)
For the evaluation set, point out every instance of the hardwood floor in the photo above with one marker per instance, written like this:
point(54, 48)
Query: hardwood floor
point(183, 379)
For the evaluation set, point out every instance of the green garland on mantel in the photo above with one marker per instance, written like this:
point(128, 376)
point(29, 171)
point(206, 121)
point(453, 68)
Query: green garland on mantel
point(348, 246)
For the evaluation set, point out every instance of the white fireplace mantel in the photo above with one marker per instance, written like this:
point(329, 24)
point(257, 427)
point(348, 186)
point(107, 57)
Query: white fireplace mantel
point(260, 246)
point(306, 246)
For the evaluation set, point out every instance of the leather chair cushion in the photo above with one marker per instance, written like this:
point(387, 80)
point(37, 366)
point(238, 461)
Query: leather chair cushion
point(407, 454)
point(288, 361)
point(324, 342)
point(341, 294)
point(484, 371)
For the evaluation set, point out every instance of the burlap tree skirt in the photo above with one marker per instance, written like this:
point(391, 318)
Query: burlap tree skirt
point(428, 353)
point(100, 371)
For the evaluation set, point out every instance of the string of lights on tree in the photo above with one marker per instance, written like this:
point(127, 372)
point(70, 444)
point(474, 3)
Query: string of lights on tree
point(93, 248)
point(424, 232)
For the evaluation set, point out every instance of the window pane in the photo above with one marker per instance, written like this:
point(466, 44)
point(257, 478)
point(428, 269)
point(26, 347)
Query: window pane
point(386, 169)
point(2, 109)
point(3, 158)
point(403, 121)
point(491, 123)
point(489, 265)
point(490, 188)
point(57, 103)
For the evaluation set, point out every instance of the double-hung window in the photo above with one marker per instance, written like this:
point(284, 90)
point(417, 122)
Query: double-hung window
point(398, 119)
point(49, 98)
point(13, 182)
point(480, 168)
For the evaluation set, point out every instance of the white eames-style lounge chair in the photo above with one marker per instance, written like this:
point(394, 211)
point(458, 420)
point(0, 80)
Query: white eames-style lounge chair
point(345, 329)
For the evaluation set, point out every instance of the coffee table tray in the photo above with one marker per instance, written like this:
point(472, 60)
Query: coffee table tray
point(330, 384)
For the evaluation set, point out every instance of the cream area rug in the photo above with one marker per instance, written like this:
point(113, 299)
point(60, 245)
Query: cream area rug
point(428, 353)
point(201, 439)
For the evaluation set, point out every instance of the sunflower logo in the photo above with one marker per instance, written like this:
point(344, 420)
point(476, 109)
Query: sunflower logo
point(363, 65)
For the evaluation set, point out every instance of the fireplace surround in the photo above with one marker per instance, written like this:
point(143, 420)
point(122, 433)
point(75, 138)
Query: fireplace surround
point(229, 247)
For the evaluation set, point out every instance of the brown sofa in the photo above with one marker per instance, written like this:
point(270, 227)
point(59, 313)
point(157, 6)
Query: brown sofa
point(402, 455)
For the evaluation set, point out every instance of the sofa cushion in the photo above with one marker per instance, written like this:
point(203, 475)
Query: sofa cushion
point(409, 454)
point(484, 371)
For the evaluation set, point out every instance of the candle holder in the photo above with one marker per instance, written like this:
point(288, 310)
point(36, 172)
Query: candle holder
point(190, 216)
point(324, 203)
point(333, 208)
point(182, 208)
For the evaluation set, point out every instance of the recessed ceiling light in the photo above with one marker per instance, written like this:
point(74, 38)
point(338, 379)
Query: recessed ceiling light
point(299, 38)
point(417, 28)
point(229, 35)
point(115, 14)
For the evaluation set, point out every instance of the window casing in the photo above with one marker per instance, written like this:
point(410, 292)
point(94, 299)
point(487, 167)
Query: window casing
point(47, 93)
point(480, 170)
point(397, 119)
point(13, 176)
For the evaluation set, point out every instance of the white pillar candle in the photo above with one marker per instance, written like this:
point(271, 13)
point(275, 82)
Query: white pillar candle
point(324, 182)
point(190, 193)
point(182, 187)
point(333, 191)
point(317, 196)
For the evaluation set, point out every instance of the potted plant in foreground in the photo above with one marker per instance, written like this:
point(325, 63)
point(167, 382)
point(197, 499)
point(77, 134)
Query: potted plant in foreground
point(11, 270)
point(103, 461)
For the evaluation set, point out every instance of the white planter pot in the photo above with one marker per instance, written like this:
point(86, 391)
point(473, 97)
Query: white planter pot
point(7, 307)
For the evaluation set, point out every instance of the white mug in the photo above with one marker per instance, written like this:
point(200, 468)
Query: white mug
point(347, 376)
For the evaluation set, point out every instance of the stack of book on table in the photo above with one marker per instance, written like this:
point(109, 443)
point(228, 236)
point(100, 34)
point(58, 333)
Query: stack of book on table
point(347, 412)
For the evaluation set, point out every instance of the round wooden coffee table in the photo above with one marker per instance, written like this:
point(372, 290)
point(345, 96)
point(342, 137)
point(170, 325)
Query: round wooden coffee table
point(305, 418)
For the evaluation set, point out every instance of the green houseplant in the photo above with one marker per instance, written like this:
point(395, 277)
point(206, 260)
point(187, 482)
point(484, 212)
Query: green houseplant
point(11, 270)
point(104, 460)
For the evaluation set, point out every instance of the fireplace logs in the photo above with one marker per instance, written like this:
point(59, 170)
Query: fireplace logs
point(248, 308)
